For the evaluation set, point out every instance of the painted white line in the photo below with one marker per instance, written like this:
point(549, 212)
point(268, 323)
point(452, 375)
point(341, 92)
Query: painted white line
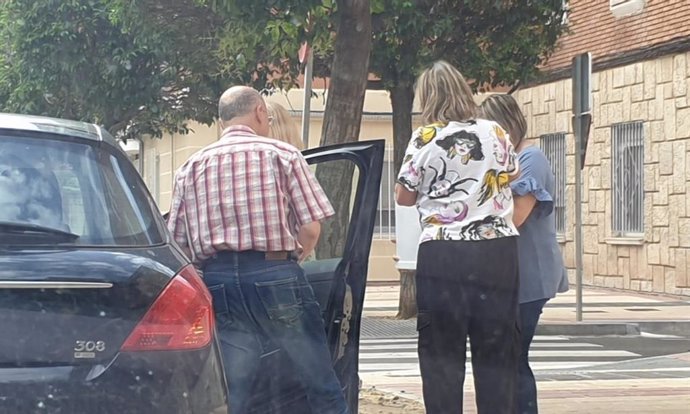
point(652, 335)
point(413, 340)
point(537, 345)
point(411, 369)
point(565, 354)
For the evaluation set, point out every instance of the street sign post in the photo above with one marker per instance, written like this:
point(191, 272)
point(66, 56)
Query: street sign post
point(305, 54)
point(582, 119)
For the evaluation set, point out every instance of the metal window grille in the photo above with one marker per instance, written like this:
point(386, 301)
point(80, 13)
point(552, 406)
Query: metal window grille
point(384, 227)
point(553, 146)
point(628, 178)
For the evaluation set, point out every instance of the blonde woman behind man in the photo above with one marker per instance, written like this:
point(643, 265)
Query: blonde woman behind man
point(283, 127)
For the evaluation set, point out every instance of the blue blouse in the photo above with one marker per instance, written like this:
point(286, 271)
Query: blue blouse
point(542, 273)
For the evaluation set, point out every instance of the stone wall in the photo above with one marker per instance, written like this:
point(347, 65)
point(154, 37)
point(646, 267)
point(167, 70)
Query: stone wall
point(655, 92)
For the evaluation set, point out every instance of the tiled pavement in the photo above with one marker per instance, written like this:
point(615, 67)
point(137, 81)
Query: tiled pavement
point(598, 305)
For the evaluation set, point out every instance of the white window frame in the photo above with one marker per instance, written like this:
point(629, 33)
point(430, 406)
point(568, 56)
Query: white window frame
point(622, 8)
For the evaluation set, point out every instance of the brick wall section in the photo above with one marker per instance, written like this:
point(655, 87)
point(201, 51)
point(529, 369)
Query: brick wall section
point(593, 28)
point(655, 92)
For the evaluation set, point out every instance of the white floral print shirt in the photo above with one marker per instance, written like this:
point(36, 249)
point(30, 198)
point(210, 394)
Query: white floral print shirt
point(460, 172)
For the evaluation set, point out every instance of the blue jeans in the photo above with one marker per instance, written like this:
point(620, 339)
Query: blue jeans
point(527, 385)
point(258, 301)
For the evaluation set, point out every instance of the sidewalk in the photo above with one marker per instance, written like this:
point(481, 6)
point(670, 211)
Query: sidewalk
point(593, 393)
point(604, 308)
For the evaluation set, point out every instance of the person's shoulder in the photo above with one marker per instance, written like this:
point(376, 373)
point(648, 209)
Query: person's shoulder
point(281, 146)
point(488, 127)
point(425, 134)
point(534, 158)
point(532, 153)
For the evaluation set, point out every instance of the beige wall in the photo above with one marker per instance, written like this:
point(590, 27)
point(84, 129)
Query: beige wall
point(655, 92)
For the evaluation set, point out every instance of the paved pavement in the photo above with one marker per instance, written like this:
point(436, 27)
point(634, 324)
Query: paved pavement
point(642, 373)
point(599, 305)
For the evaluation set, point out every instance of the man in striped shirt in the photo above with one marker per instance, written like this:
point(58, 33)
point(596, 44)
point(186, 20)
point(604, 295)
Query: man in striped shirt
point(246, 209)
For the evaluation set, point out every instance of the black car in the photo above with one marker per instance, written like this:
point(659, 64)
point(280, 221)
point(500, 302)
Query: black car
point(102, 313)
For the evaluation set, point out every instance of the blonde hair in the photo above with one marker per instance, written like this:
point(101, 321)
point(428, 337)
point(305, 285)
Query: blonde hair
point(283, 127)
point(504, 110)
point(444, 95)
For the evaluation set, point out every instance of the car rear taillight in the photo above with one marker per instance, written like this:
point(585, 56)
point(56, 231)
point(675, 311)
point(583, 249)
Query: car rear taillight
point(180, 318)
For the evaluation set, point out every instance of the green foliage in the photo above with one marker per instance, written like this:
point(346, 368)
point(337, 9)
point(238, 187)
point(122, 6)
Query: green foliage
point(262, 43)
point(149, 66)
point(106, 62)
point(492, 42)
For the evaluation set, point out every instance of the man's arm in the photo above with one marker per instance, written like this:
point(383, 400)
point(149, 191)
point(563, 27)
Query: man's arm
point(309, 204)
point(307, 238)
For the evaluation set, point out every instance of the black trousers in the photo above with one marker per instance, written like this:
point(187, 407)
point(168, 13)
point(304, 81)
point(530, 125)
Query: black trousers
point(468, 289)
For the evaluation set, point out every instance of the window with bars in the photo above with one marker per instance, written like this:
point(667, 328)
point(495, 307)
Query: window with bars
point(628, 178)
point(553, 146)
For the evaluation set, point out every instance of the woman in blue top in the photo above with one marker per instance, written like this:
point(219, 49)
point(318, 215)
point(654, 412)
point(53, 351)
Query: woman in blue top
point(542, 273)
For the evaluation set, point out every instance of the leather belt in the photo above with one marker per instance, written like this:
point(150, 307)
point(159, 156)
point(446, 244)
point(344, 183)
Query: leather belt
point(281, 255)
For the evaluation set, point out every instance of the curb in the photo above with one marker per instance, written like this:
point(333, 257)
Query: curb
point(377, 327)
point(677, 328)
point(589, 329)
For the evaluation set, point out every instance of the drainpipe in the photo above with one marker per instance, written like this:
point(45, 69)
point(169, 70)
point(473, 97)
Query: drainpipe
point(141, 156)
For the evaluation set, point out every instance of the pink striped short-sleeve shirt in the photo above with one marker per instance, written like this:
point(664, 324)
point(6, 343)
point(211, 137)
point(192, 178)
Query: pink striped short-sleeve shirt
point(244, 192)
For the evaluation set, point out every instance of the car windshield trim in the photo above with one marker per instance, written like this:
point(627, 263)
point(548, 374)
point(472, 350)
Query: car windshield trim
point(17, 226)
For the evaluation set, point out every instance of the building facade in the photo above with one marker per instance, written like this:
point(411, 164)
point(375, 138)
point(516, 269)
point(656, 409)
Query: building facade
point(636, 176)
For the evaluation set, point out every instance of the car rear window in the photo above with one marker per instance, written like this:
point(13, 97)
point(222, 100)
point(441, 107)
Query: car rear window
point(76, 186)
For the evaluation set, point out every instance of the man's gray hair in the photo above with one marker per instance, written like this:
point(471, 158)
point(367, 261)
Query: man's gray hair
point(237, 101)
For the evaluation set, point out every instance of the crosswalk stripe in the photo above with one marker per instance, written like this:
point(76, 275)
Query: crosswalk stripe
point(401, 345)
point(533, 353)
point(413, 340)
point(397, 357)
point(412, 369)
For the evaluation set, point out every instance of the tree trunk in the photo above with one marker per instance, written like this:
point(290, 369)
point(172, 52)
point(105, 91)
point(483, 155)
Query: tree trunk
point(348, 82)
point(343, 115)
point(402, 98)
point(407, 307)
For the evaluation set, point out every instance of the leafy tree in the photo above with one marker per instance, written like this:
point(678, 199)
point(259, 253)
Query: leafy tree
point(94, 60)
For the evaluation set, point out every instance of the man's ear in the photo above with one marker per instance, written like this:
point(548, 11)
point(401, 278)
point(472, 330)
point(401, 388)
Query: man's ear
point(258, 113)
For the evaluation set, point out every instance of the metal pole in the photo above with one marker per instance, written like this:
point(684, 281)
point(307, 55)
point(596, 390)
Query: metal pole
point(306, 111)
point(578, 218)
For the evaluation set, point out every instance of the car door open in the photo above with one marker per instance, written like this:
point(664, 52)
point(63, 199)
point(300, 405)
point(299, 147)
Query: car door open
point(351, 176)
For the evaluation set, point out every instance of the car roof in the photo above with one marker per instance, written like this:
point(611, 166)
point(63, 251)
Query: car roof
point(55, 126)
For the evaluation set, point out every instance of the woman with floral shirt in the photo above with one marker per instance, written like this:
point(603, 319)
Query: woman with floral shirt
point(457, 171)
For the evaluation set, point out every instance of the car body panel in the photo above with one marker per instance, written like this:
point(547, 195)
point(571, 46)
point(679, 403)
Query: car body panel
point(68, 307)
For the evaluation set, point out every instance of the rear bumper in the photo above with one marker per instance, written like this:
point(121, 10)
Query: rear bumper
point(189, 382)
